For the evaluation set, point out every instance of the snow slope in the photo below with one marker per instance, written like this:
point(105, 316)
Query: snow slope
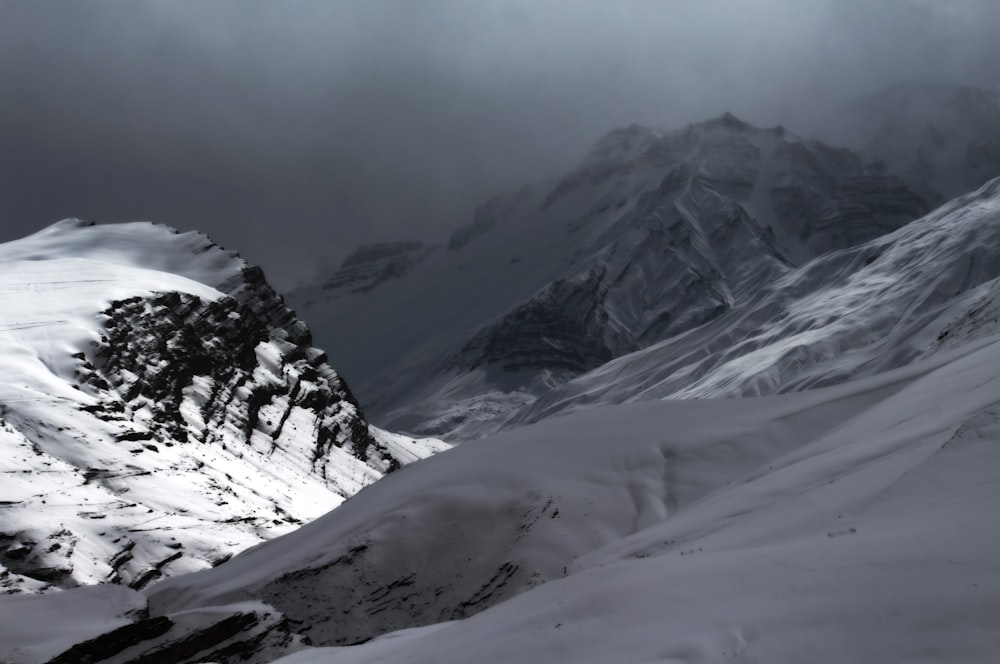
point(847, 523)
point(849, 313)
point(160, 409)
point(652, 235)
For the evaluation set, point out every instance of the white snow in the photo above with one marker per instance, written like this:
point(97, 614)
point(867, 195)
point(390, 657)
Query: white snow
point(849, 516)
point(851, 523)
point(80, 499)
point(815, 320)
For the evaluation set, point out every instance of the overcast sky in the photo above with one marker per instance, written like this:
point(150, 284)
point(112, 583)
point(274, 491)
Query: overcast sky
point(294, 130)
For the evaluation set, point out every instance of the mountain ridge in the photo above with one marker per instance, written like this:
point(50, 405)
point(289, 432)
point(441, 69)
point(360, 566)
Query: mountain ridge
point(751, 366)
point(653, 234)
point(151, 377)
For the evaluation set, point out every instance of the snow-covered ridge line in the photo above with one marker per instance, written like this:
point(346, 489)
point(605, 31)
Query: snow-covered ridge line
point(637, 531)
point(855, 312)
point(161, 409)
point(653, 236)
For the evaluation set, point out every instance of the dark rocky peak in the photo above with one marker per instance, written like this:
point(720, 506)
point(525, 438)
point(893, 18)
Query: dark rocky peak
point(618, 153)
point(646, 145)
point(725, 149)
point(244, 352)
point(730, 122)
point(623, 145)
point(682, 228)
point(652, 235)
point(245, 361)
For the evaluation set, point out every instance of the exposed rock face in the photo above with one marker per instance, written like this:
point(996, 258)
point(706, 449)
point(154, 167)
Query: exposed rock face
point(224, 371)
point(160, 424)
point(116, 628)
point(728, 209)
point(565, 327)
point(846, 202)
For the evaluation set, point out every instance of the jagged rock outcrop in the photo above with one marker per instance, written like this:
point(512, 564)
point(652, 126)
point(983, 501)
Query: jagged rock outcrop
point(244, 375)
point(160, 410)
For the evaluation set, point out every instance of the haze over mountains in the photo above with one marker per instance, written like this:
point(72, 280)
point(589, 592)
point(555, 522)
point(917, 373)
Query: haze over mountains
point(720, 226)
point(943, 139)
point(723, 393)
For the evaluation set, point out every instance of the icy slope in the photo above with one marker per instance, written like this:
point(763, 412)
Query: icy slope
point(849, 523)
point(653, 235)
point(160, 409)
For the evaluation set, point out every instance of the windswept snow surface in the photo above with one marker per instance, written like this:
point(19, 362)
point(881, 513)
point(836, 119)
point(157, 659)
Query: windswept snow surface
point(851, 522)
point(128, 450)
point(848, 523)
point(850, 313)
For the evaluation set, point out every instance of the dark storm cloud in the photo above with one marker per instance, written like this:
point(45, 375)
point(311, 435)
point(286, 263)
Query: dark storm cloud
point(293, 130)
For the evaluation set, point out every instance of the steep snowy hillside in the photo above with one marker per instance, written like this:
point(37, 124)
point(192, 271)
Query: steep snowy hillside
point(943, 139)
point(160, 410)
point(850, 313)
point(848, 523)
point(653, 235)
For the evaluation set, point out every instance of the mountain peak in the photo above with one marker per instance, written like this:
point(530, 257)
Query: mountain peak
point(943, 139)
point(623, 144)
point(151, 377)
point(729, 121)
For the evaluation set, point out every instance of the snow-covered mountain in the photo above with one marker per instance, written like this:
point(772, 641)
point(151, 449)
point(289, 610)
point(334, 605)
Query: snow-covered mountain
point(943, 139)
point(160, 410)
point(745, 404)
point(847, 523)
point(653, 236)
point(850, 313)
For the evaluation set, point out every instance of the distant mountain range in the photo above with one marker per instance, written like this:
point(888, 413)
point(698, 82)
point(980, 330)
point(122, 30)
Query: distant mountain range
point(724, 394)
point(654, 265)
point(942, 138)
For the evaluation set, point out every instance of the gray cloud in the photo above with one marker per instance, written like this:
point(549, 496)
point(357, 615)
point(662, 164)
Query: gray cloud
point(294, 130)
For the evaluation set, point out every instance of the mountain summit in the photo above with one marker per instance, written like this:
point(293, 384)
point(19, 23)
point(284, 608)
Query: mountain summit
point(653, 235)
point(776, 381)
point(160, 409)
